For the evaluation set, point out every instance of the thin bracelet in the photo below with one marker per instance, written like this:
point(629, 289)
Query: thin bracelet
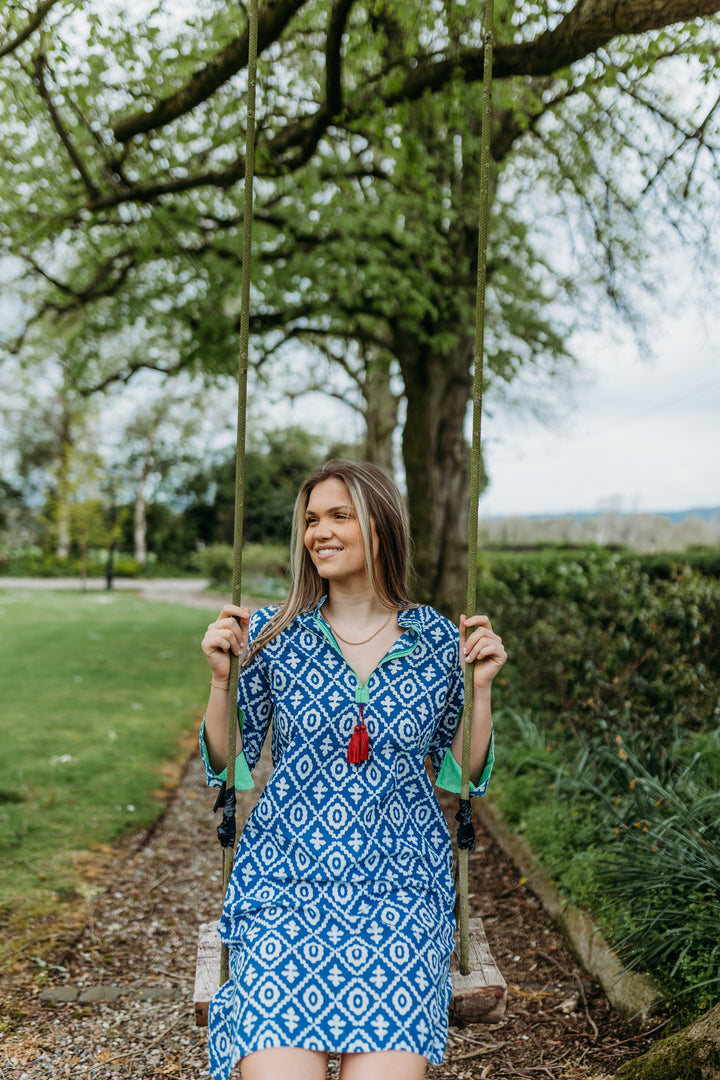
point(218, 687)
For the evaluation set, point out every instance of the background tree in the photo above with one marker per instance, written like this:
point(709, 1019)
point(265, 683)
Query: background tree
point(360, 374)
point(158, 449)
point(367, 166)
point(48, 440)
point(276, 464)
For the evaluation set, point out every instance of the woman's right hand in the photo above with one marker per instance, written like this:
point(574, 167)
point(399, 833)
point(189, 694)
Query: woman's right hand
point(229, 633)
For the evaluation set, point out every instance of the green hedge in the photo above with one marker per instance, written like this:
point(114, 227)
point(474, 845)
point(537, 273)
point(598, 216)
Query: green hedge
point(603, 644)
point(35, 562)
point(265, 568)
point(609, 762)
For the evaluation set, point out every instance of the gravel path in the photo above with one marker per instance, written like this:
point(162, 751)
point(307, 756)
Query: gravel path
point(191, 592)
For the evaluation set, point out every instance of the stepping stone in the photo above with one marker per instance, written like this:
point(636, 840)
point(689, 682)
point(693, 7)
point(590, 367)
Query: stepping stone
point(60, 993)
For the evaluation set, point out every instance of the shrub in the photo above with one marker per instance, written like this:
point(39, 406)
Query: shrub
point(35, 562)
point(703, 560)
point(124, 566)
point(662, 884)
point(216, 563)
point(602, 646)
point(265, 568)
point(627, 829)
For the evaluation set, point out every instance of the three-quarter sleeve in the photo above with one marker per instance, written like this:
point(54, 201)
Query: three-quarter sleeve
point(447, 770)
point(449, 776)
point(450, 694)
point(254, 711)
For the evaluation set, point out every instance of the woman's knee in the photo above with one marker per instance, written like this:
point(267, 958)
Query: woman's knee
point(388, 1064)
point(283, 1062)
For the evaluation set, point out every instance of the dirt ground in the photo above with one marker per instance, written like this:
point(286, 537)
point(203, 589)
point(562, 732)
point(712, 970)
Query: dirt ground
point(139, 941)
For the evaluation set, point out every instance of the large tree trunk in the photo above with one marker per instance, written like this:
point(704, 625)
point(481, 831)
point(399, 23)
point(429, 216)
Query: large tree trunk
point(381, 412)
point(140, 530)
point(435, 453)
point(692, 1052)
point(62, 545)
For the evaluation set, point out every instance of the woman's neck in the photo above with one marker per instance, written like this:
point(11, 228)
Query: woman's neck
point(361, 606)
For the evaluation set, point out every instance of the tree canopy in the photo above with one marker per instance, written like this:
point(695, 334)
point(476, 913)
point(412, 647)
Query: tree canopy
point(123, 152)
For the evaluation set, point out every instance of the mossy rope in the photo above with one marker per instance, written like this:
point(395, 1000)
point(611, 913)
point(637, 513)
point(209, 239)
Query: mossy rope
point(226, 831)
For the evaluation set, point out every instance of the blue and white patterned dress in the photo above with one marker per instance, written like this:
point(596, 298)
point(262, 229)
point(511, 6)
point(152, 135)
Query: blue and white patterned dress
point(339, 911)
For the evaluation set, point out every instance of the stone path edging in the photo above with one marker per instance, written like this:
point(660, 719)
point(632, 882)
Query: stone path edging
point(88, 995)
point(630, 992)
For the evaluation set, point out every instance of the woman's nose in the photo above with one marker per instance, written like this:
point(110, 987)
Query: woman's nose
point(323, 529)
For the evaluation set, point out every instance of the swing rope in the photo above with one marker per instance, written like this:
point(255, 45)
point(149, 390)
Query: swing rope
point(465, 832)
point(226, 830)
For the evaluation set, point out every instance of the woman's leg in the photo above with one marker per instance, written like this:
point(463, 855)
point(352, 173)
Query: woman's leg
point(284, 1063)
point(388, 1064)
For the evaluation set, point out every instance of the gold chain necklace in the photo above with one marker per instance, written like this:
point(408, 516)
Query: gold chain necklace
point(345, 640)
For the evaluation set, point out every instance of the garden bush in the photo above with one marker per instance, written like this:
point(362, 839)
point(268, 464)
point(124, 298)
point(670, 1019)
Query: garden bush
point(627, 830)
point(265, 568)
point(603, 646)
point(34, 561)
point(215, 562)
point(610, 759)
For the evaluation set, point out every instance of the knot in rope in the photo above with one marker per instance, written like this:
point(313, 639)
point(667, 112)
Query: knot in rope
point(465, 831)
point(226, 828)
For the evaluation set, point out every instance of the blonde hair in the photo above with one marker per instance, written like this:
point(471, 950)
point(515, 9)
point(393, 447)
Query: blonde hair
point(376, 501)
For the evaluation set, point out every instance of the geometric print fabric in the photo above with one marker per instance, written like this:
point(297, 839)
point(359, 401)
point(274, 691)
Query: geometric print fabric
point(338, 915)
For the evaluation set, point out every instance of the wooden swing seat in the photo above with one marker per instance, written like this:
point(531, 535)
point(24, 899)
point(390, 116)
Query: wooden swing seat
point(479, 997)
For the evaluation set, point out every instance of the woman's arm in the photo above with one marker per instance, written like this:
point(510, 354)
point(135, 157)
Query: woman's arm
point(228, 633)
point(484, 649)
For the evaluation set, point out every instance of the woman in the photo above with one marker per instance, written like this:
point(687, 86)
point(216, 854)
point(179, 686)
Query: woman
point(339, 912)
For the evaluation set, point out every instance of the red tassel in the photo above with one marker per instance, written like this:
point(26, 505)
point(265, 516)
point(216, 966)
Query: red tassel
point(359, 745)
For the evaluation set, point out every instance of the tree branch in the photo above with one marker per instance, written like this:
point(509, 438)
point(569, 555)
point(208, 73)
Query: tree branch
point(697, 136)
point(39, 66)
point(583, 30)
point(100, 285)
point(35, 20)
point(147, 193)
point(272, 20)
point(333, 56)
point(131, 369)
point(308, 131)
point(354, 334)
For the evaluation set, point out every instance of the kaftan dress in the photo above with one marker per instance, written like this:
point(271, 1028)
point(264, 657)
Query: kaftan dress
point(339, 912)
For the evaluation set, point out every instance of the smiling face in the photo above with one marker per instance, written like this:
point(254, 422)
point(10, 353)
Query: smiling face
point(333, 537)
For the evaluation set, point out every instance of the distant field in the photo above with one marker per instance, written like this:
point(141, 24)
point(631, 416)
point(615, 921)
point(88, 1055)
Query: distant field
point(100, 698)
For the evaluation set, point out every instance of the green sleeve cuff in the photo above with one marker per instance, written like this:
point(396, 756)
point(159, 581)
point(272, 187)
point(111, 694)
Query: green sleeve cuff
point(243, 778)
point(450, 776)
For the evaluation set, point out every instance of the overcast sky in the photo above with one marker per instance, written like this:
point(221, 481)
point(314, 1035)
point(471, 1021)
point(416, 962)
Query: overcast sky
point(644, 432)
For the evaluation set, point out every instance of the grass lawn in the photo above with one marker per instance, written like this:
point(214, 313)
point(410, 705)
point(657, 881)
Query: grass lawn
point(101, 694)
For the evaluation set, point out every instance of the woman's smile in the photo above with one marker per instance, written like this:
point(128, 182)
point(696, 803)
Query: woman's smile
point(324, 551)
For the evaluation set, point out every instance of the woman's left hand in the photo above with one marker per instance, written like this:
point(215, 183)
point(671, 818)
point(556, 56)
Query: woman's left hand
point(482, 647)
